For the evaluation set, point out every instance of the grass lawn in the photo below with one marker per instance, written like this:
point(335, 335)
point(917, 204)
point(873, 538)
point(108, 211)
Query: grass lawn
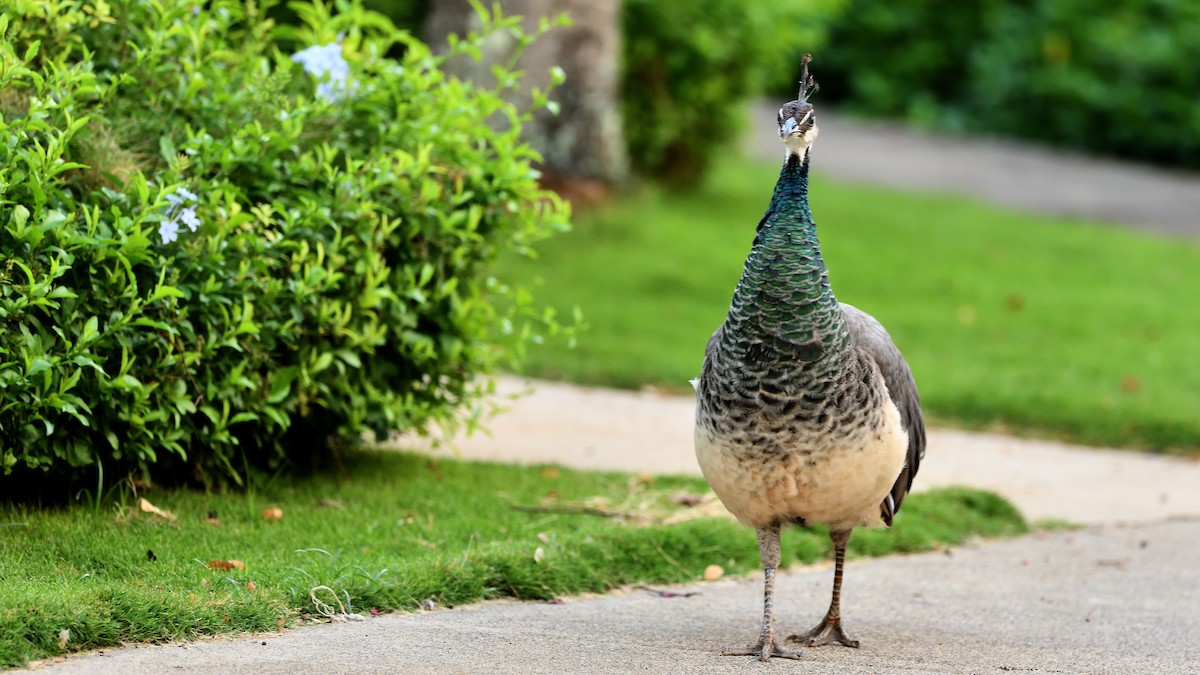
point(388, 532)
point(1036, 325)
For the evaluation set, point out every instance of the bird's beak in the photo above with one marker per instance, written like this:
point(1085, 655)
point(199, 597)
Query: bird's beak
point(791, 127)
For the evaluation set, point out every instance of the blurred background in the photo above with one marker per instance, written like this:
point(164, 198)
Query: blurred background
point(1113, 78)
point(987, 181)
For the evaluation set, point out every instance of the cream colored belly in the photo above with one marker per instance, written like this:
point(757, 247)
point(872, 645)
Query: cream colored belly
point(842, 486)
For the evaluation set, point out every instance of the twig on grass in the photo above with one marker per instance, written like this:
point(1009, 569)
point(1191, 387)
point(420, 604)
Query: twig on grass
point(326, 610)
point(580, 511)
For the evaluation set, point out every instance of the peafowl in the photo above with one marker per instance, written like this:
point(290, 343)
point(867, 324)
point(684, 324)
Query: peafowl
point(806, 412)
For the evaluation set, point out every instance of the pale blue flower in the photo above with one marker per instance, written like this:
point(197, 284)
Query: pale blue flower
point(325, 63)
point(188, 217)
point(178, 211)
point(169, 231)
point(180, 194)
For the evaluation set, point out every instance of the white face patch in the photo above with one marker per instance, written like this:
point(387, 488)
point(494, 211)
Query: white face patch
point(799, 145)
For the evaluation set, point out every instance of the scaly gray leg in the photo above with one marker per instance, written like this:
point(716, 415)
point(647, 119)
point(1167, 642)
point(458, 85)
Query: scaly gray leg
point(766, 647)
point(830, 628)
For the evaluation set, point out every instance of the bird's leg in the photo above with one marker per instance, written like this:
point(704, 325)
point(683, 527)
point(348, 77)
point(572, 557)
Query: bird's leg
point(830, 628)
point(766, 647)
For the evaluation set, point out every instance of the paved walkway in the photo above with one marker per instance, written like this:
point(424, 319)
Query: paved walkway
point(1122, 596)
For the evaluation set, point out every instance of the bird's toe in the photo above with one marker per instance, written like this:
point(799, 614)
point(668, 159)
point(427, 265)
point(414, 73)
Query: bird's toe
point(764, 650)
point(827, 632)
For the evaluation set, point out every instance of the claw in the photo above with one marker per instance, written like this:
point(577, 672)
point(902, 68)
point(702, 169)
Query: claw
point(764, 650)
point(826, 632)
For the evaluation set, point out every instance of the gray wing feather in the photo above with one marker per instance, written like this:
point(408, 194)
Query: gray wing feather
point(871, 337)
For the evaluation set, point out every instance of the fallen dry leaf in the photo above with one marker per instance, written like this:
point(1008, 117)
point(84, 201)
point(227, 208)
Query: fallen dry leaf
point(251, 585)
point(1130, 384)
point(543, 537)
point(226, 565)
point(550, 473)
point(64, 636)
point(538, 554)
point(640, 482)
point(687, 499)
point(146, 507)
point(273, 513)
point(713, 572)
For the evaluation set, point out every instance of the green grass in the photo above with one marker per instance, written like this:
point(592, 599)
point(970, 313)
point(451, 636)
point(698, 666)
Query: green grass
point(1010, 321)
point(404, 529)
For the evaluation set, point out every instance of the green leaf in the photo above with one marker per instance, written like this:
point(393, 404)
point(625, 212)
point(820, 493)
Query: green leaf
point(86, 361)
point(167, 149)
point(281, 384)
point(64, 166)
point(20, 216)
point(126, 382)
point(53, 219)
point(89, 330)
point(243, 417)
point(36, 366)
point(163, 292)
point(323, 361)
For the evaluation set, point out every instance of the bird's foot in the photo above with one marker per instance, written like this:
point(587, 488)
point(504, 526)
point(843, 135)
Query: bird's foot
point(764, 649)
point(829, 630)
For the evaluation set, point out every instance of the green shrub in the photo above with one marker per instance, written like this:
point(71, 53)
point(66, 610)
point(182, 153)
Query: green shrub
point(1110, 77)
point(337, 281)
point(689, 67)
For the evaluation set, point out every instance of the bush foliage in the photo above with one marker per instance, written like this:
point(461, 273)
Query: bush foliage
point(688, 69)
point(1110, 77)
point(336, 280)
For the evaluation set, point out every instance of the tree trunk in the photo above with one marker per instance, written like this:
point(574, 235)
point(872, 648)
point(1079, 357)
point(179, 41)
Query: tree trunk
point(582, 144)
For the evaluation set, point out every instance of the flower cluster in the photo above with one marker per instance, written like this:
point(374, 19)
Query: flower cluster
point(179, 211)
point(326, 64)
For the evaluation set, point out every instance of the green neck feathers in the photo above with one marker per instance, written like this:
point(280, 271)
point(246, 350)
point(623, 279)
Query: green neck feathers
point(783, 303)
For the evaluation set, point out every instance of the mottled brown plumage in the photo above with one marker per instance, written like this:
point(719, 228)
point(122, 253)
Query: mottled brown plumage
point(806, 411)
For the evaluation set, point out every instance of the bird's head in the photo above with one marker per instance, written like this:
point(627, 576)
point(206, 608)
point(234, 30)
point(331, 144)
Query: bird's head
point(797, 119)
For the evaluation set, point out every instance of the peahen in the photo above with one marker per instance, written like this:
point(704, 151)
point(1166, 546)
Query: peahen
point(806, 412)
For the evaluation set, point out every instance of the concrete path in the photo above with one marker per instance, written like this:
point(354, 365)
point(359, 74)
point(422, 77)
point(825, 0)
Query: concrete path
point(1005, 172)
